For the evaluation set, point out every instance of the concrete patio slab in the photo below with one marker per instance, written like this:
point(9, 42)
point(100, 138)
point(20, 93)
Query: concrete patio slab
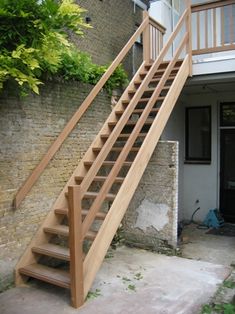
point(131, 281)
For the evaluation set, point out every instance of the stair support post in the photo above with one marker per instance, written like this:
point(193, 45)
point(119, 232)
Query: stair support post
point(76, 246)
point(146, 39)
point(189, 45)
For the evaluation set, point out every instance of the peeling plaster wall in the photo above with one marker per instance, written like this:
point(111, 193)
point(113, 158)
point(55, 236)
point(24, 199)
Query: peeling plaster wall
point(151, 219)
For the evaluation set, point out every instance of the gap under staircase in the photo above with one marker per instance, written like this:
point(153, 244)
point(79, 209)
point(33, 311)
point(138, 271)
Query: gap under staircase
point(72, 242)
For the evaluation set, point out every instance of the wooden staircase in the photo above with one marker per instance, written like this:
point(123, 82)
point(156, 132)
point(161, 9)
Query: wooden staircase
point(71, 244)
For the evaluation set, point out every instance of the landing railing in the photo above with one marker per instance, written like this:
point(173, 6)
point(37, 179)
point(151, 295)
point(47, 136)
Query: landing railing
point(213, 27)
point(152, 44)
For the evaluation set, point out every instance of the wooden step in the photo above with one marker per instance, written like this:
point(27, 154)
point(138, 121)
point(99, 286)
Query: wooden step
point(52, 250)
point(108, 163)
point(148, 90)
point(64, 211)
point(130, 122)
point(115, 149)
point(54, 276)
point(88, 195)
point(137, 111)
point(63, 230)
point(159, 71)
point(142, 100)
point(101, 179)
point(123, 135)
point(154, 80)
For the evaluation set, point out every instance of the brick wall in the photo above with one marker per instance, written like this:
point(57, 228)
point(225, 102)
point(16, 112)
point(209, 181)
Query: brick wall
point(27, 129)
point(113, 22)
point(151, 219)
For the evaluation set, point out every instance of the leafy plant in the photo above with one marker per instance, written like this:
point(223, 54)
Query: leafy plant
point(229, 284)
point(131, 287)
point(34, 44)
point(33, 38)
point(223, 308)
point(93, 294)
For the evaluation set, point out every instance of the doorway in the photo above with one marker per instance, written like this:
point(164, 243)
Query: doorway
point(227, 161)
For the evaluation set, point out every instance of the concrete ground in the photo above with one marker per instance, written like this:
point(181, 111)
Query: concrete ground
point(130, 281)
point(199, 245)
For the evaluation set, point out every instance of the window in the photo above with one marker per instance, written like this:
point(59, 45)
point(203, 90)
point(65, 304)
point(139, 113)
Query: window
point(227, 114)
point(198, 135)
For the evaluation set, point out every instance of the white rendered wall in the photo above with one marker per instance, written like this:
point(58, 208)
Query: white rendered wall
point(197, 182)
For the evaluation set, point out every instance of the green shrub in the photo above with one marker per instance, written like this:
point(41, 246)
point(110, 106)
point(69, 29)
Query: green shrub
point(34, 44)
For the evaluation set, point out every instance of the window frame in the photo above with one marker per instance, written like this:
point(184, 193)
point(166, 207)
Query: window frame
point(195, 159)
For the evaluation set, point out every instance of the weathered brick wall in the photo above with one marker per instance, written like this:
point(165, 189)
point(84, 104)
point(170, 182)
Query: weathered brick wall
point(27, 129)
point(151, 219)
point(113, 22)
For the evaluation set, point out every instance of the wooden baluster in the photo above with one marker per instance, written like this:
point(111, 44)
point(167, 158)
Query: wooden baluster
point(206, 29)
point(157, 43)
point(231, 24)
point(222, 26)
point(214, 28)
point(75, 246)
point(152, 41)
point(198, 31)
point(146, 39)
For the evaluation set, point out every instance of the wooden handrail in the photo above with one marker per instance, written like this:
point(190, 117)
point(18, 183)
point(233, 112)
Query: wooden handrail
point(211, 5)
point(119, 126)
point(30, 181)
point(157, 25)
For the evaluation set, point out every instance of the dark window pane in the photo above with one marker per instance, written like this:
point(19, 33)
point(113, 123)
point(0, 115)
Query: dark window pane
point(227, 114)
point(198, 134)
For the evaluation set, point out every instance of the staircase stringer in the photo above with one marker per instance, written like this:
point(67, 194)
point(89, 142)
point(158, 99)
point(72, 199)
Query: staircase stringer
point(113, 219)
point(28, 257)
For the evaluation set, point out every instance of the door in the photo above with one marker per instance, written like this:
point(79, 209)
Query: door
point(227, 162)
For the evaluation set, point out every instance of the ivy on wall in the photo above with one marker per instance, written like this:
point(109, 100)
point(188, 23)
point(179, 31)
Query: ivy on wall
point(34, 45)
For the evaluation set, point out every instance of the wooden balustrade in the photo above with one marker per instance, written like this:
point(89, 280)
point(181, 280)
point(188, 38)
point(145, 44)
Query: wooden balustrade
point(213, 27)
point(156, 33)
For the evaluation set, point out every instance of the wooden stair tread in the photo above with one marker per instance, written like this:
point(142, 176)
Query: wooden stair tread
point(108, 163)
point(54, 276)
point(109, 196)
point(52, 250)
point(64, 211)
point(130, 122)
point(154, 80)
point(116, 149)
point(58, 229)
point(148, 90)
point(100, 179)
point(123, 135)
point(162, 70)
point(142, 100)
point(154, 110)
point(63, 230)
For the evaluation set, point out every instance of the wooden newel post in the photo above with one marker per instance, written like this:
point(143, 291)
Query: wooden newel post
point(75, 246)
point(189, 27)
point(146, 39)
